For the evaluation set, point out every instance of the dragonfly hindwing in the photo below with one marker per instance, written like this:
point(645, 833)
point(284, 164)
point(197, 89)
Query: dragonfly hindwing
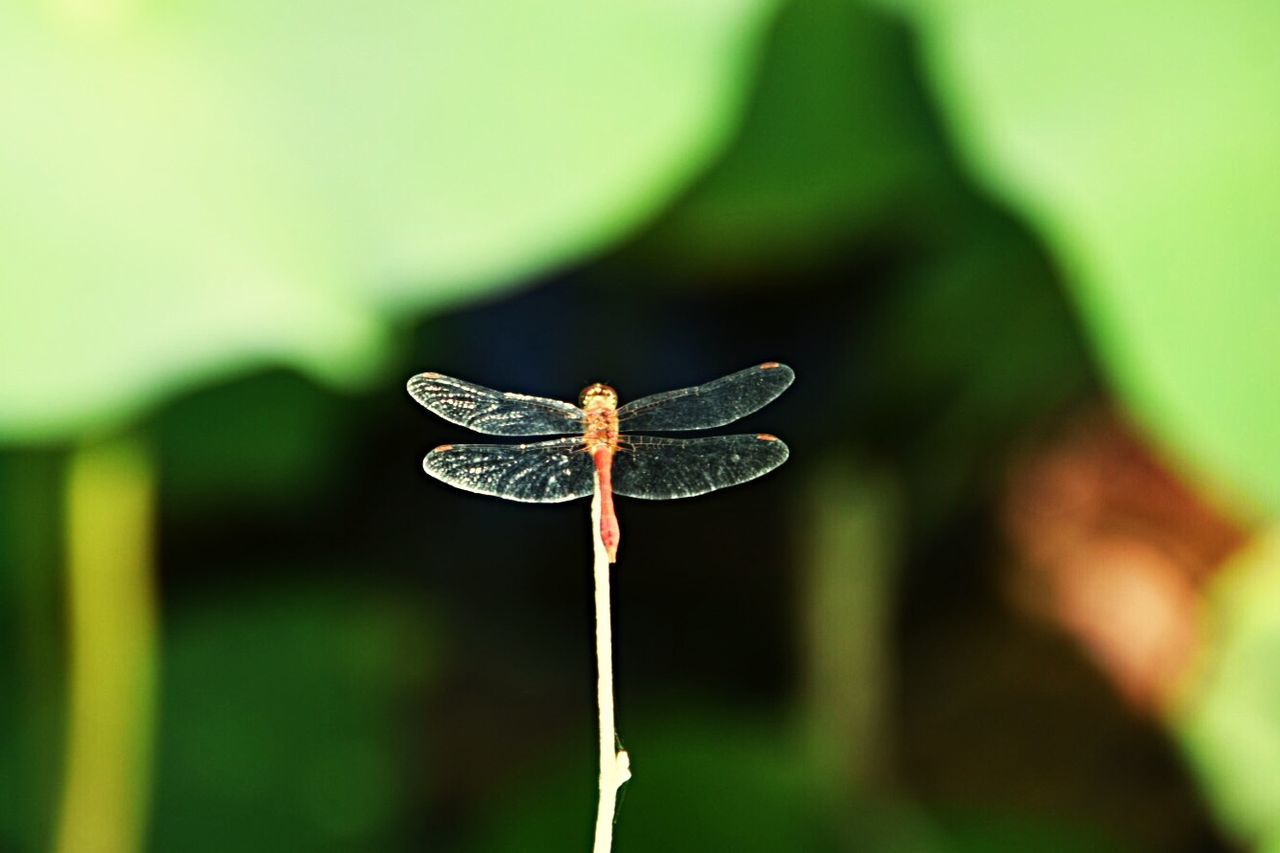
point(542, 472)
point(647, 466)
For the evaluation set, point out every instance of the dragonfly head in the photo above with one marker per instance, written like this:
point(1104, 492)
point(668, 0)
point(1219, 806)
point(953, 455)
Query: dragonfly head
point(598, 396)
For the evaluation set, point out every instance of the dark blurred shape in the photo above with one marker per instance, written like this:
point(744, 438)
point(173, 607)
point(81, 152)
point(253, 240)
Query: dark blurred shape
point(1002, 716)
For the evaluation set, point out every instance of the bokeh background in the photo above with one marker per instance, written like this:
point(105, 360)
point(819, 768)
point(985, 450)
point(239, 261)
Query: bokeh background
point(1017, 589)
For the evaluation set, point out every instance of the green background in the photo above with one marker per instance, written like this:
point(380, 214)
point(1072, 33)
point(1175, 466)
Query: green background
point(230, 231)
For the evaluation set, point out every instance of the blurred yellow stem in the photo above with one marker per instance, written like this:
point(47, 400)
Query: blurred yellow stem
point(112, 623)
point(615, 764)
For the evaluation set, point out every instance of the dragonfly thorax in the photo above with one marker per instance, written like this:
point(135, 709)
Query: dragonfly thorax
point(598, 396)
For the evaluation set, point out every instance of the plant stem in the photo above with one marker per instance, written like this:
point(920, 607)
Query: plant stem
point(615, 764)
point(112, 624)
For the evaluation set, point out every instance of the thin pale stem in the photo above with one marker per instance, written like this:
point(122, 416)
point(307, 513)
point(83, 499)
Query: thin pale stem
point(615, 765)
point(112, 623)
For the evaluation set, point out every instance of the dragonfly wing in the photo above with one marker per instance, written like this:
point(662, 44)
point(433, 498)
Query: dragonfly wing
point(707, 406)
point(647, 466)
point(544, 472)
point(494, 412)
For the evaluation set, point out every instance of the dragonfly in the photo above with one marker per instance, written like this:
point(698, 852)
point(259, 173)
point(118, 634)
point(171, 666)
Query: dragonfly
point(604, 442)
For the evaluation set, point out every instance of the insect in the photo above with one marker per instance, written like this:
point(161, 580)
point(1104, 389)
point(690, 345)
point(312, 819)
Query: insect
point(602, 441)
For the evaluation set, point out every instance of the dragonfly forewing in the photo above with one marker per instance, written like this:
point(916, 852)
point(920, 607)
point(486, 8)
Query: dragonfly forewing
point(707, 406)
point(494, 412)
point(542, 472)
point(647, 466)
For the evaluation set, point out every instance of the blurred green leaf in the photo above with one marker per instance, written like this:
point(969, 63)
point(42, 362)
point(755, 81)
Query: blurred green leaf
point(702, 782)
point(198, 188)
point(1140, 139)
point(977, 831)
point(968, 351)
point(836, 135)
point(33, 715)
point(280, 727)
point(730, 780)
point(280, 431)
point(1230, 723)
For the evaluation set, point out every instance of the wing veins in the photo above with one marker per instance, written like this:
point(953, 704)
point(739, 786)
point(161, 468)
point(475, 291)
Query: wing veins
point(541, 472)
point(710, 405)
point(658, 468)
point(494, 412)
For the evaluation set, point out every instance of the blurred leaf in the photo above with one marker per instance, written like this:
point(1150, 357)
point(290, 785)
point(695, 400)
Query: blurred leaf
point(1140, 139)
point(280, 726)
point(836, 134)
point(982, 336)
point(967, 352)
point(975, 831)
point(32, 716)
point(702, 782)
point(1230, 722)
point(262, 441)
point(728, 780)
point(198, 188)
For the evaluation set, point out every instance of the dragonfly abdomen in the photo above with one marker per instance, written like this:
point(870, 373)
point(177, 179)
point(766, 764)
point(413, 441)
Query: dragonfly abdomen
point(610, 532)
point(600, 433)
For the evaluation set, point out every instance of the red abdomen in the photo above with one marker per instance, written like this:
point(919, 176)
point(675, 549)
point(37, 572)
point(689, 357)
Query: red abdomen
point(609, 532)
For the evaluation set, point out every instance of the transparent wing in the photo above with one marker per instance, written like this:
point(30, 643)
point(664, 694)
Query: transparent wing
point(544, 472)
point(647, 466)
point(707, 406)
point(494, 412)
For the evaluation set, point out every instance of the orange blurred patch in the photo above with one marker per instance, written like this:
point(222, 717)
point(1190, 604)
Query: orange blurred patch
point(1111, 547)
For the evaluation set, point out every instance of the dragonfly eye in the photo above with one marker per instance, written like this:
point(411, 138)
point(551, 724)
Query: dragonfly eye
point(597, 396)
